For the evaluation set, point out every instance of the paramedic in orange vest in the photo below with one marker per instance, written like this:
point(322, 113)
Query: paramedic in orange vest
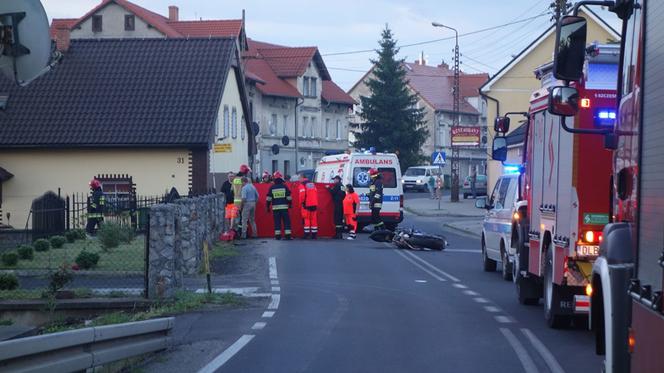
point(310, 205)
point(301, 192)
point(351, 204)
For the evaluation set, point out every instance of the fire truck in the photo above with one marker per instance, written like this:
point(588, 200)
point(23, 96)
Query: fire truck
point(557, 231)
point(627, 279)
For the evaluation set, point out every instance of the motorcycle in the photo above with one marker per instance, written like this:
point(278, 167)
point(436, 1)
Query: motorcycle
point(412, 239)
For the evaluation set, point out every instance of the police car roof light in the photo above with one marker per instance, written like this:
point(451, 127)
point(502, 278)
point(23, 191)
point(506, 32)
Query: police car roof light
point(511, 169)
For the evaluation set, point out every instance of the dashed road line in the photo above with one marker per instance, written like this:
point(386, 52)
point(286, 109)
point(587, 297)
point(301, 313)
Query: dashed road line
point(259, 325)
point(419, 266)
point(276, 289)
point(460, 286)
point(474, 251)
point(227, 354)
point(492, 309)
point(525, 359)
point(503, 319)
point(273, 268)
point(550, 361)
point(470, 292)
point(268, 314)
point(274, 303)
point(433, 267)
point(274, 282)
point(481, 300)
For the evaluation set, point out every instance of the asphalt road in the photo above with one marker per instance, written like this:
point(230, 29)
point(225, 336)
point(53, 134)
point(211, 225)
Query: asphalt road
point(361, 306)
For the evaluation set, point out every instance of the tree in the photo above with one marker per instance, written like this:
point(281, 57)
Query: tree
point(390, 120)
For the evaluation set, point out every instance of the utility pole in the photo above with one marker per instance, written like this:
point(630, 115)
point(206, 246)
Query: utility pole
point(560, 7)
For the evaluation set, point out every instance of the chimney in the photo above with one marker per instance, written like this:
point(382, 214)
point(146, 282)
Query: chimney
point(422, 60)
point(173, 13)
point(444, 66)
point(62, 38)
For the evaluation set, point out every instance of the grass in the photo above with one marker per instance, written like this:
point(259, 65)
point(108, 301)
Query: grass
point(27, 294)
point(6, 322)
point(223, 250)
point(183, 302)
point(126, 257)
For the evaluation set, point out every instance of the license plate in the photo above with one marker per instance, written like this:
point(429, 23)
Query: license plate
point(587, 250)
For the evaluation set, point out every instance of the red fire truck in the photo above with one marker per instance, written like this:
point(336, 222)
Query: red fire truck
point(627, 280)
point(556, 235)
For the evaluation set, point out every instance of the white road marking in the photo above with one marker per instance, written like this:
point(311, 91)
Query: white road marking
point(433, 267)
point(274, 303)
point(503, 319)
point(550, 361)
point(276, 289)
point(228, 353)
point(470, 292)
point(481, 300)
point(493, 309)
point(274, 282)
point(462, 251)
point(419, 266)
point(421, 281)
point(526, 361)
point(259, 325)
point(268, 314)
point(273, 268)
point(460, 286)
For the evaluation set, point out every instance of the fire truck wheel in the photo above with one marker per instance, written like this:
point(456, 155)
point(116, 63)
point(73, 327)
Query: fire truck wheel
point(552, 296)
point(506, 265)
point(489, 265)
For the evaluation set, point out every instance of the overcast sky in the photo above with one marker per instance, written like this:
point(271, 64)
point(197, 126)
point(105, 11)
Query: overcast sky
point(352, 25)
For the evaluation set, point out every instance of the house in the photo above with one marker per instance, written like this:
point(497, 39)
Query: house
point(302, 113)
point(165, 112)
point(510, 88)
point(434, 86)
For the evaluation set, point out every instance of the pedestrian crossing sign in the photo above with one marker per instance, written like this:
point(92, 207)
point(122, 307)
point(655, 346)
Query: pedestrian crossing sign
point(438, 158)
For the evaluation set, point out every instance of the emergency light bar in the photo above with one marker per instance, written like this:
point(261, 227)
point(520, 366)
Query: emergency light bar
point(605, 117)
point(511, 169)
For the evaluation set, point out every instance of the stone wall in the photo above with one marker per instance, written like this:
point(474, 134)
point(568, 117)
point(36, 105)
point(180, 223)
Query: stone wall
point(177, 233)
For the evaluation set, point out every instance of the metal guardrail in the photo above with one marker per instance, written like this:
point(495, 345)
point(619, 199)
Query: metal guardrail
point(81, 349)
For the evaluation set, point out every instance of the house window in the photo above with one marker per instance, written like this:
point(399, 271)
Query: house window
point(275, 165)
point(96, 23)
point(226, 122)
point(313, 127)
point(117, 191)
point(286, 168)
point(234, 123)
point(338, 129)
point(273, 125)
point(305, 124)
point(312, 88)
point(327, 128)
point(305, 86)
point(243, 128)
point(130, 22)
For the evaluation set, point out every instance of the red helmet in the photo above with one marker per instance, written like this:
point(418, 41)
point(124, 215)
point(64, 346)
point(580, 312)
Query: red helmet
point(94, 184)
point(266, 174)
point(245, 169)
point(373, 172)
point(277, 175)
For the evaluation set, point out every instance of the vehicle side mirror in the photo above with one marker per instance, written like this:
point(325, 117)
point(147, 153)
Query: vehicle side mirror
point(480, 203)
point(499, 149)
point(501, 125)
point(563, 101)
point(570, 48)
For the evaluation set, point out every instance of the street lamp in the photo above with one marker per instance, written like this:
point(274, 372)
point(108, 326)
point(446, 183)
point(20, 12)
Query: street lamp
point(454, 195)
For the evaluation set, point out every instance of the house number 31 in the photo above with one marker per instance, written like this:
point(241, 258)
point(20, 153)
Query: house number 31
point(180, 160)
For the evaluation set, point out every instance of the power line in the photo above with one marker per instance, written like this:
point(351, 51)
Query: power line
point(478, 62)
point(439, 40)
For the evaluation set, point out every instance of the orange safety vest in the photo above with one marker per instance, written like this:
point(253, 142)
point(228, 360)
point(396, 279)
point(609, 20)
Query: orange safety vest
point(311, 195)
point(350, 200)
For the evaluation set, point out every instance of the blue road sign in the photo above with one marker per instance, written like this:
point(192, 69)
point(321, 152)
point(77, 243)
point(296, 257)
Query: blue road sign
point(438, 158)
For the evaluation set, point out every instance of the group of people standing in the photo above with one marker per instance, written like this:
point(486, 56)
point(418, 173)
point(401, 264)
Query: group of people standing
point(242, 196)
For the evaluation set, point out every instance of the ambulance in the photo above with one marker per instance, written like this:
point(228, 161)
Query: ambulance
point(354, 168)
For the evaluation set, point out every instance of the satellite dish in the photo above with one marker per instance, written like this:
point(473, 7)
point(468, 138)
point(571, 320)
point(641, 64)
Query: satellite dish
point(275, 149)
point(285, 140)
point(25, 45)
point(255, 128)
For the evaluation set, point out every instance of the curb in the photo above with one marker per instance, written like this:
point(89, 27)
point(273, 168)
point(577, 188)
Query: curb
point(441, 214)
point(461, 230)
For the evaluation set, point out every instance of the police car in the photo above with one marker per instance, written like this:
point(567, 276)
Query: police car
point(354, 168)
point(501, 207)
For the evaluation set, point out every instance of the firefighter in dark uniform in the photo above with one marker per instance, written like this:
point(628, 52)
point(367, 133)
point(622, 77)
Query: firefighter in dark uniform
point(338, 194)
point(279, 198)
point(376, 198)
point(96, 206)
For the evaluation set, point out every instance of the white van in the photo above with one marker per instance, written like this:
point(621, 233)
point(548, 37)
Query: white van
point(417, 177)
point(353, 169)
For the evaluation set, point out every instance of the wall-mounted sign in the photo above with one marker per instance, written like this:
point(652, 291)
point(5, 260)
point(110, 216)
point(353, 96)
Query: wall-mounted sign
point(466, 136)
point(223, 148)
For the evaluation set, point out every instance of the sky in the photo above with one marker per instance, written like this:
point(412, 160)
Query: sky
point(341, 26)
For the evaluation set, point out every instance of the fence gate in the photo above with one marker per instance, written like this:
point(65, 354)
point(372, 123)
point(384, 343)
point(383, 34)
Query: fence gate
point(48, 215)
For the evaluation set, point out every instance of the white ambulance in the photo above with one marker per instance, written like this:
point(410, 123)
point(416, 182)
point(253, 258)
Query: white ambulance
point(353, 169)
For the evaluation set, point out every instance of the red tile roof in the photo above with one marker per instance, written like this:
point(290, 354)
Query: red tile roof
point(332, 93)
point(272, 85)
point(218, 28)
point(61, 23)
point(435, 86)
point(288, 62)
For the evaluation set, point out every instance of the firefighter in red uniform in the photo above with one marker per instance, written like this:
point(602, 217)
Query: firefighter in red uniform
point(351, 204)
point(310, 205)
point(279, 197)
point(96, 206)
point(376, 198)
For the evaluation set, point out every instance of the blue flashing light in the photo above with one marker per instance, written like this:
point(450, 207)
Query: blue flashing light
point(605, 117)
point(511, 169)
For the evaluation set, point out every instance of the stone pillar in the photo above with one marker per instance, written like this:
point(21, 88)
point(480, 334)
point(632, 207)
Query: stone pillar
point(164, 275)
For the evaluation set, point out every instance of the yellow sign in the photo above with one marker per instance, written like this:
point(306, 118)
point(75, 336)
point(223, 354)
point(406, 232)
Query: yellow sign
point(223, 148)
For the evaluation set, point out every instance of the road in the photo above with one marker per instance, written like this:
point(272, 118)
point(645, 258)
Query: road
point(361, 306)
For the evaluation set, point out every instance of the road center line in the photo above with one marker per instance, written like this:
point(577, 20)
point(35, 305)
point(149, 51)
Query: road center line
point(550, 361)
point(503, 319)
point(493, 309)
point(259, 325)
point(228, 353)
point(526, 361)
point(433, 267)
point(274, 303)
point(460, 286)
point(474, 251)
point(268, 314)
point(273, 268)
point(481, 300)
point(470, 292)
point(276, 289)
point(419, 266)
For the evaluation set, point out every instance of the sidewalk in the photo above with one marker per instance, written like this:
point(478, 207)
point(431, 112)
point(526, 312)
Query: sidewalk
point(424, 206)
point(471, 226)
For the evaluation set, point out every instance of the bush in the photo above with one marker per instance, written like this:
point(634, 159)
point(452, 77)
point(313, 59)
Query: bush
point(42, 244)
point(8, 281)
point(60, 278)
point(10, 259)
point(71, 236)
point(126, 234)
point(57, 241)
point(26, 252)
point(81, 234)
point(110, 235)
point(87, 259)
